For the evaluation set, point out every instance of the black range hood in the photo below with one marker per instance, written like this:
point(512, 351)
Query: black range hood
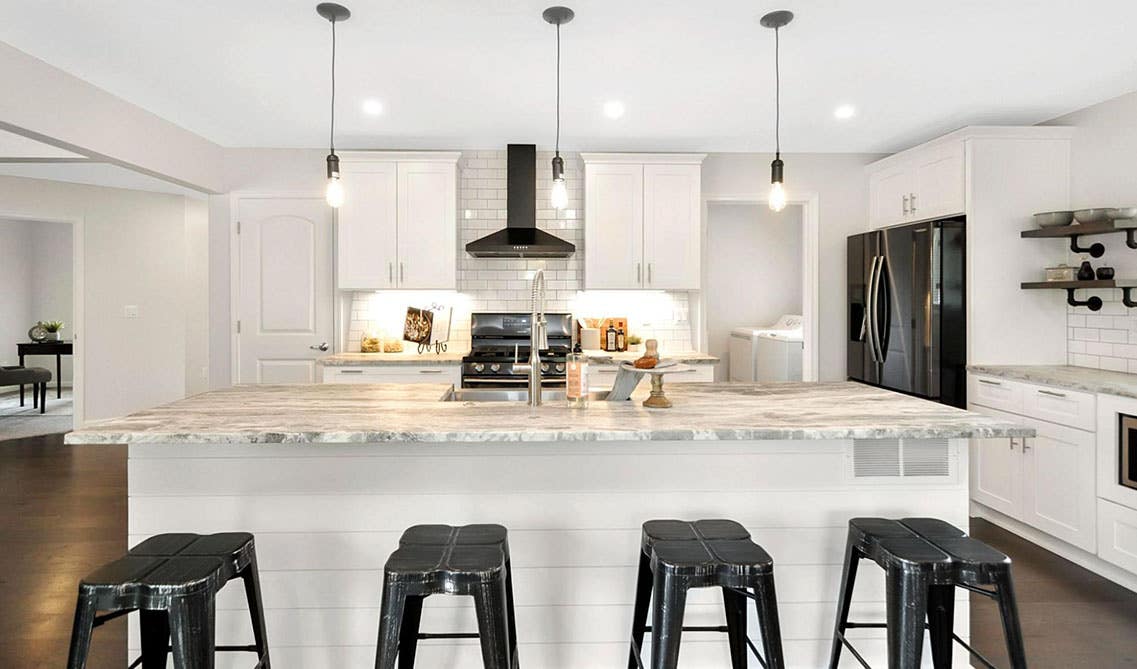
point(521, 238)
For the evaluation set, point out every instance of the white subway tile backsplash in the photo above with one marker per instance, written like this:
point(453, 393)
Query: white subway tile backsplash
point(486, 284)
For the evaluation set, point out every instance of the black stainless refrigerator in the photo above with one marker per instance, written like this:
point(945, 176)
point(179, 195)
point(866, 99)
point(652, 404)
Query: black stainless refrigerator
point(907, 318)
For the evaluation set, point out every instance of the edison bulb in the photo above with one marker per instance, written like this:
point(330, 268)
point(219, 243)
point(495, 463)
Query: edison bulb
point(777, 196)
point(559, 196)
point(334, 193)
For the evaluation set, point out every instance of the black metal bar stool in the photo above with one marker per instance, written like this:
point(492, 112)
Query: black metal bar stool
point(471, 560)
point(172, 580)
point(677, 555)
point(924, 560)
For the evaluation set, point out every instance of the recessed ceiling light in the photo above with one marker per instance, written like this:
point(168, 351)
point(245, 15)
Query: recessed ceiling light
point(372, 107)
point(613, 109)
point(845, 112)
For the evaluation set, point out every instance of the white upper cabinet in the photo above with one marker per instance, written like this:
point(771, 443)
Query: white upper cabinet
point(642, 221)
point(920, 184)
point(398, 224)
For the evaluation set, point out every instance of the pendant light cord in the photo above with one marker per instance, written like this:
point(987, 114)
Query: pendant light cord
point(558, 143)
point(332, 131)
point(777, 97)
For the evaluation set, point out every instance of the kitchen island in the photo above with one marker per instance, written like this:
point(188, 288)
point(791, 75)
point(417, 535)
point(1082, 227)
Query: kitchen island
point(328, 476)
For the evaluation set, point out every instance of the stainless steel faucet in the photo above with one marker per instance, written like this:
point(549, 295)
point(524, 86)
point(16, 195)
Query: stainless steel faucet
point(538, 338)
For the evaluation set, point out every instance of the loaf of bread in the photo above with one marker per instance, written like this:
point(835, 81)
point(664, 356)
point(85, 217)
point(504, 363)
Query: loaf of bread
point(646, 362)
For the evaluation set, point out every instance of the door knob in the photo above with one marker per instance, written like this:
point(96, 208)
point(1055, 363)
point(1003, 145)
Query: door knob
point(322, 347)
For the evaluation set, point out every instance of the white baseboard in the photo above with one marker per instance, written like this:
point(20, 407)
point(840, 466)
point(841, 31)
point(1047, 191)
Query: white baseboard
point(1074, 554)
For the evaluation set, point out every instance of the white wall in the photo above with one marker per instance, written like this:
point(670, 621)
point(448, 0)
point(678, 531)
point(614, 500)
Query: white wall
point(753, 273)
point(1103, 160)
point(841, 186)
point(16, 295)
point(135, 253)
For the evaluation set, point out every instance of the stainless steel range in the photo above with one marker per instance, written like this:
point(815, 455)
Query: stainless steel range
point(500, 341)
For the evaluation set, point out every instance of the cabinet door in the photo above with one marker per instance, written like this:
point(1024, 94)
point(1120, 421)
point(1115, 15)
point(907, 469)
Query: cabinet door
point(428, 225)
point(366, 226)
point(1058, 483)
point(889, 190)
point(939, 188)
point(996, 470)
point(672, 226)
point(613, 226)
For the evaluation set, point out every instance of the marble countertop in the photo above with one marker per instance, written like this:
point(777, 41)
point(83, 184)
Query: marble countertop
point(689, 357)
point(1065, 376)
point(340, 413)
point(405, 358)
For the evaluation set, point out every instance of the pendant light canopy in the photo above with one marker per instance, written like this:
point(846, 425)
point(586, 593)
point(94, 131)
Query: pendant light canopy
point(558, 197)
point(776, 21)
point(333, 13)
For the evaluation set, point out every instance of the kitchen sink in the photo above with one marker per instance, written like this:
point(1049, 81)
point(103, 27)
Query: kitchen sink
point(518, 395)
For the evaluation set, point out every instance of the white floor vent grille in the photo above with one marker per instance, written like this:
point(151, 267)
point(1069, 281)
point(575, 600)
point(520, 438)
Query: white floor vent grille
point(901, 458)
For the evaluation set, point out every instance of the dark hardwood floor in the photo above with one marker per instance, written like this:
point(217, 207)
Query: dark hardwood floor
point(64, 511)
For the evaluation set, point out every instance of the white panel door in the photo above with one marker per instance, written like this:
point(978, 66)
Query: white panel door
point(1059, 489)
point(672, 219)
point(366, 225)
point(939, 189)
point(428, 225)
point(285, 288)
point(889, 191)
point(997, 470)
point(613, 226)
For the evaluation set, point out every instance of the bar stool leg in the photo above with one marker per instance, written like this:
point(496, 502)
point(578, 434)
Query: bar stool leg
point(669, 595)
point(43, 397)
point(21, 394)
point(906, 597)
point(408, 635)
point(512, 613)
point(493, 624)
point(390, 621)
point(848, 580)
point(768, 624)
point(251, 577)
point(35, 395)
point(155, 638)
point(639, 613)
point(941, 623)
point(1009, 611)
point(192, 632)
point(735, 606)
point(81, 631)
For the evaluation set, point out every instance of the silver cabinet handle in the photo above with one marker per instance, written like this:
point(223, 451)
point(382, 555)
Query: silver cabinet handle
point(351, 371)
point(402, 276)
point(1012, 442)
point(912, 202)
point(1051, 393)
point(905, 200)
point(322, 346)
point(649, 273)
point(430, 371)
point(1026, 446)
point(390, 272)
point(639, 274)
point(989, 382)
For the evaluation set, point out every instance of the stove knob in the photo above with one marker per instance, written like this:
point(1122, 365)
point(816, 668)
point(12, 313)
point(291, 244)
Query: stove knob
point(479, 367)
point(560, 366)
point(544, 366)
point(495, 367)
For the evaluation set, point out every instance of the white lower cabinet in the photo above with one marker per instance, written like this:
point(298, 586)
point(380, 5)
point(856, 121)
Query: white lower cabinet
point(1045, 481)
point(394, 374)
point(602, 376)
point(1117, 534)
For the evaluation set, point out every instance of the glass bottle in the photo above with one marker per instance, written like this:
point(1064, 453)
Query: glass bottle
point(621, 340)
point(576, 378)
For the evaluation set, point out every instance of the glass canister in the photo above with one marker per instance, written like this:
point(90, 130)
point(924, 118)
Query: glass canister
point(576, 378)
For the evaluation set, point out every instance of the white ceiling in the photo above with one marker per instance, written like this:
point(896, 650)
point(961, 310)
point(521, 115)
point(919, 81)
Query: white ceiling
point(95, 174)
point(693, 74)
point(17, 147)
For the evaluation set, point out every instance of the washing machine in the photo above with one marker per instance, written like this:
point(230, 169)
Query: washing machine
point(767, 354)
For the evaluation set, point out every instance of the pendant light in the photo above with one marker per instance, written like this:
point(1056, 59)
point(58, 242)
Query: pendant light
point(777, 20)
point(558, 197)
point(334, 194)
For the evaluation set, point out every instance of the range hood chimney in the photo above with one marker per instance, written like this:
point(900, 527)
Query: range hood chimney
point(521, 238)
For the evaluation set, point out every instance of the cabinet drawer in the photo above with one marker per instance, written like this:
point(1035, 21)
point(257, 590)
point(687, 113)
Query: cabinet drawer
point(603, 376)
point(394, 374)
point(996, 393)
point(1065, 407)
point(1117, 535)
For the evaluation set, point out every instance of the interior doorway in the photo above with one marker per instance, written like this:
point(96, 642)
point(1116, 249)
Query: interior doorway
point(754, 274)
point(38, 317)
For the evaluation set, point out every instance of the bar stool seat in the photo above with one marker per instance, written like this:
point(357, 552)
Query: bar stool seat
point(471, 560)
point(925, 559)
point(172, 580)
point(677, 555)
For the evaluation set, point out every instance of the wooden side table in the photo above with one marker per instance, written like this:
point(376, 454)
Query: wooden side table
point(56, 348)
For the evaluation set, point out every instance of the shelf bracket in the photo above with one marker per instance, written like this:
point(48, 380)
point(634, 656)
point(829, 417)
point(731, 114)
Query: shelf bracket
point(1095, 250)
point(1125, 299)
point(1094, 303)
point(1131, 238)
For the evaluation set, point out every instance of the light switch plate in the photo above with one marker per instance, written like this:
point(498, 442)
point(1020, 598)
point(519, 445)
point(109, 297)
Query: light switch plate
point(130, 311)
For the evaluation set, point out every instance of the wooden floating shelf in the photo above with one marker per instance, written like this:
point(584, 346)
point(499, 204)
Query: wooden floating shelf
point(1078, 229)
point(1094, 303)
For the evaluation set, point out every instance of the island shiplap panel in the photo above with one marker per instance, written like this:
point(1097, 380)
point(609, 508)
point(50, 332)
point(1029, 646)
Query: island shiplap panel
point(325, 524)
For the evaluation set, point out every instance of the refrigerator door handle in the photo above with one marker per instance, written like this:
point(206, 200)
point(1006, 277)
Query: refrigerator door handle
point(870, 315)
point(883, 331)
